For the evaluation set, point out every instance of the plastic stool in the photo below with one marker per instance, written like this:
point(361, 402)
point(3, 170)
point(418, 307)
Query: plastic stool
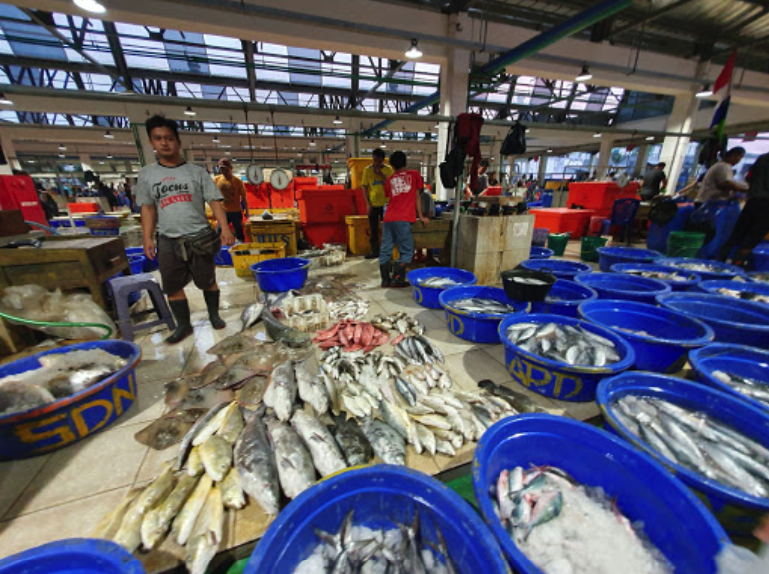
point(122, 287)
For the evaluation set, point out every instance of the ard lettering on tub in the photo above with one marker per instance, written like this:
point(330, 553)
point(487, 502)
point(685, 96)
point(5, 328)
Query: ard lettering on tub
point(530, 374)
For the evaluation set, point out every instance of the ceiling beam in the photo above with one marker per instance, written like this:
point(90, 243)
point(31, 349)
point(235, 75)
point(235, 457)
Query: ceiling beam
point(117, 53)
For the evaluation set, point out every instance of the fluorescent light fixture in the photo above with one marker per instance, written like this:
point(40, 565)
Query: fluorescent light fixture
point(312, 143)
point(109, 156)
point(190, 112)
point(101, 163)
point(90, 6)
point(549, 151)
point(414, 52)
point(337, 121)
point(650, 138)
point(383, 146)
point(5, 101)
point(436, 126)
point(216, 140)
point(108, 135)
point(584, 75)
point(228, 152)
point(63, 148)
point(61, 155)
point(597, 134)
point(705, 92)
point(528, 130)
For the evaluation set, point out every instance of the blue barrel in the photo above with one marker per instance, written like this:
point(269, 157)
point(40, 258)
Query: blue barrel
point(657, 238)
point(554, 378)
point(428, 296)
point(73, 556)
point(381, 496)
point(717, 270)
point(564, 298)
point(608, 256)
point(661, 338)
point(477, 327)
point(738, 512)
point(279, 275)
point(627, 287)
point(674, 519)
point(760, 258)
point(747, 290)
point(740, 322)
point(733, 359)
point(561, 268)
point(690, 280)
point(540, 252)
point(723, 216)
point(148, 264)
point(68, 420)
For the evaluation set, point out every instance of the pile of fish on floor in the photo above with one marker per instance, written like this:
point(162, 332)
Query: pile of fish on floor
point(565, 527)
point(698, 442)
point(564, 343)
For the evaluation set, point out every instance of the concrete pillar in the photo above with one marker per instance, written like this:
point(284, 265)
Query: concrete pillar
point(673, 152)
point(352, 146)
point(604, 156)
point(142, 141)
point(640, 162)
point(85, 161)
point(542, 169)
point(9, 151)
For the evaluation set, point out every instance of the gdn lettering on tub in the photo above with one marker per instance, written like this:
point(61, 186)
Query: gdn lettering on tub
point(81, 420)
point(530, 374)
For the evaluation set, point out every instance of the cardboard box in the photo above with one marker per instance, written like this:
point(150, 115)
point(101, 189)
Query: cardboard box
point(12, 223)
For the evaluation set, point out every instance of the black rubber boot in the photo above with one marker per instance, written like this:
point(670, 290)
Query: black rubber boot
point(373, 255)
point(181, 310)
point(399, 277)
point(212, 303)
point(384, 270)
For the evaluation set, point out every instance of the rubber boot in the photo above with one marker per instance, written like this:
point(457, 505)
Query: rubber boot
point(399, 277)
point(181, 310)
point(212, 303)
point(384, 270)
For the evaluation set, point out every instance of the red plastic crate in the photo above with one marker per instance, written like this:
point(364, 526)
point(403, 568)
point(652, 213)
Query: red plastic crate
point(562, 220)
point(84, 208)
point(283, 199)
point(319, 233)
point(257, 196)
point(328, 205)
point(599, 195)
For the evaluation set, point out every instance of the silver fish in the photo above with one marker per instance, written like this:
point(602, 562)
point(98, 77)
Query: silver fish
point(186, 445)
point(325, 453)
point(295, 468)
point(311, 389)
point(157, 521)
point(232, 490)
point(182, 526)
point(251, 315)
point(354, 444)
point(386, 442)
point(129, 533)
point(281, 392)
point(207, 534)
point(480, 305)
point(255, 463)
point(216, 455)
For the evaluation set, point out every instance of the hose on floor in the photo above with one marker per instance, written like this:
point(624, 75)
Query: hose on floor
point(57, 324)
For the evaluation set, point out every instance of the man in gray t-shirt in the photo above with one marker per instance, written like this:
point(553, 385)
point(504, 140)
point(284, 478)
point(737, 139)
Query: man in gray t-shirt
point(172, 195)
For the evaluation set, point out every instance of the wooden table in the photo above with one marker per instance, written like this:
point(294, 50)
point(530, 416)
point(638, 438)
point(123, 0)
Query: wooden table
point(434, 235)
point(66, 264)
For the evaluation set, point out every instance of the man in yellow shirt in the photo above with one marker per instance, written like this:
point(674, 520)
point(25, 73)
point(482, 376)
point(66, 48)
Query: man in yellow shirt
point(234, 193)
point(374, 177)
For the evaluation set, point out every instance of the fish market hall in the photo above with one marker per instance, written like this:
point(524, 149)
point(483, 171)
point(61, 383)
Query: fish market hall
point(373, 288)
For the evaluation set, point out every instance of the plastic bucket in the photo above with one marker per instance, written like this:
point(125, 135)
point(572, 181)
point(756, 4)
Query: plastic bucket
point(589, 248)
point(136, 263)
point(674, 519)
point(65, 421)
point(627, 287)
point(740, 322)
point(554, 378)
point(278, 275)
point(557, 242)
point(73, 556)
point(477, 327)
point(148, 265)
point(608, 256)
point(540, 253)
point(428, 296)
point(564, 299)
point(539, 237)
point(745, 289)
point(380, 496)
point(690, 279)
point(717, 270)
point(224, 257)
point(684, 243)
point(671, 335)
point(517, 290)
point(738, 513)
point(733, 359)
point(561, 268)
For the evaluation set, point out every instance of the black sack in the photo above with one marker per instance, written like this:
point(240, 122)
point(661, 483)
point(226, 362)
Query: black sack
point(515, 141)
point(452, 168)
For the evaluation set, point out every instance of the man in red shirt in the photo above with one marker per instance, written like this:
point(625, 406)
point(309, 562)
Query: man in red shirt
point(402, 188)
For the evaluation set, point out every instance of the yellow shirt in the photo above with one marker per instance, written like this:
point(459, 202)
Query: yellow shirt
point(375, 184)
point(232, 191)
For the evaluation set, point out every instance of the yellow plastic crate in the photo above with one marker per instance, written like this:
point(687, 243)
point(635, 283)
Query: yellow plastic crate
point(246, 254)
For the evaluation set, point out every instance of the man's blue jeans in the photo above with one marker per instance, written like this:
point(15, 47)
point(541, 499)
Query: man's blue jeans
point(396, 233)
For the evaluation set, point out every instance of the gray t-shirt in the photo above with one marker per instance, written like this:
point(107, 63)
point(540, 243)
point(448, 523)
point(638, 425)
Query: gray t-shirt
point(180, 194)
point(717, 174)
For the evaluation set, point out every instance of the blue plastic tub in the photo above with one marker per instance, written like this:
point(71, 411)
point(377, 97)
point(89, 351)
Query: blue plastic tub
point(608, 256)
point(692, 279)
point(740, 322)
point(760, 258)
point(744, 287)
point(553, 378)
point(279, 275)
point(136, 262)
point(759, 276)
point(540, 252)
point(148, 265)
point(564, 298)
point(380, 495)
point(224, 258)
point(738, 513)
point(477, 327)
point(671, 335)
point(626, 287)
point(68, 420)
point(734, 359)
point(561, 268)
point(726, 271)
point(73, 556)
point(428, 296)
point(674, 519)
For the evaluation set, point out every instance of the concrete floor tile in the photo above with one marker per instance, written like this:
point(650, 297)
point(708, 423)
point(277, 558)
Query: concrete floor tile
point(15, 476)
point(148, 406)
point(496, 352)
point(467, 369)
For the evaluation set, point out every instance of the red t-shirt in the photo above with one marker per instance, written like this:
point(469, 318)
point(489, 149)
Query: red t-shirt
point(401, 189)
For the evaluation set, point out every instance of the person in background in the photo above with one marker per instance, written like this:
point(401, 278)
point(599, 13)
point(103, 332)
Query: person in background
point(374, 177)
point(172, 195)
point(753, 223)
point(129, 195)
point(718, 182)
point(403, 188)
point(654, 182)
point(327, 178)
point(49, 205)
point(233, 191)
point(493, 181)
point(482, 183)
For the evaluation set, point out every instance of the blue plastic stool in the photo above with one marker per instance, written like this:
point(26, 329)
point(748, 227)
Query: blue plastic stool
point(622, 214)
point(123, 287)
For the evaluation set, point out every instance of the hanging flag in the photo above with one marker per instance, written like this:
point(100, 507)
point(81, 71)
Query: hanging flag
point(723, 88)
point(725, 77)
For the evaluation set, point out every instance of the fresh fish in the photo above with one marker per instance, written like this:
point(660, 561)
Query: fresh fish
point(251, 315)
point(518, 401)
point(325, 453)
point(744, 294)
point(168, 429)
point(216, 455)
point(109, 525)
point(295, 468)
point(396, 418)
point(753, 388)
point(480, 305)
point(232, 490)
point(281, 392)
point(311, 389)
point(232, 424)
point(186, 445)
point(158, 520)
point(182, 526)
point(207, 534)
point(213, 425)
point(187, 393)
point(386, 442)
point(252, 392)
point(129, 533)
point(438, 282)
point(566, 344)
point(279, 332)
point(662, 275)
point(211, 373)
point(194, 464)
point(18, 396)
point(255, 463)
point(234, 378)
point(527, 280)
point(354, 444)
point(237, 343)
